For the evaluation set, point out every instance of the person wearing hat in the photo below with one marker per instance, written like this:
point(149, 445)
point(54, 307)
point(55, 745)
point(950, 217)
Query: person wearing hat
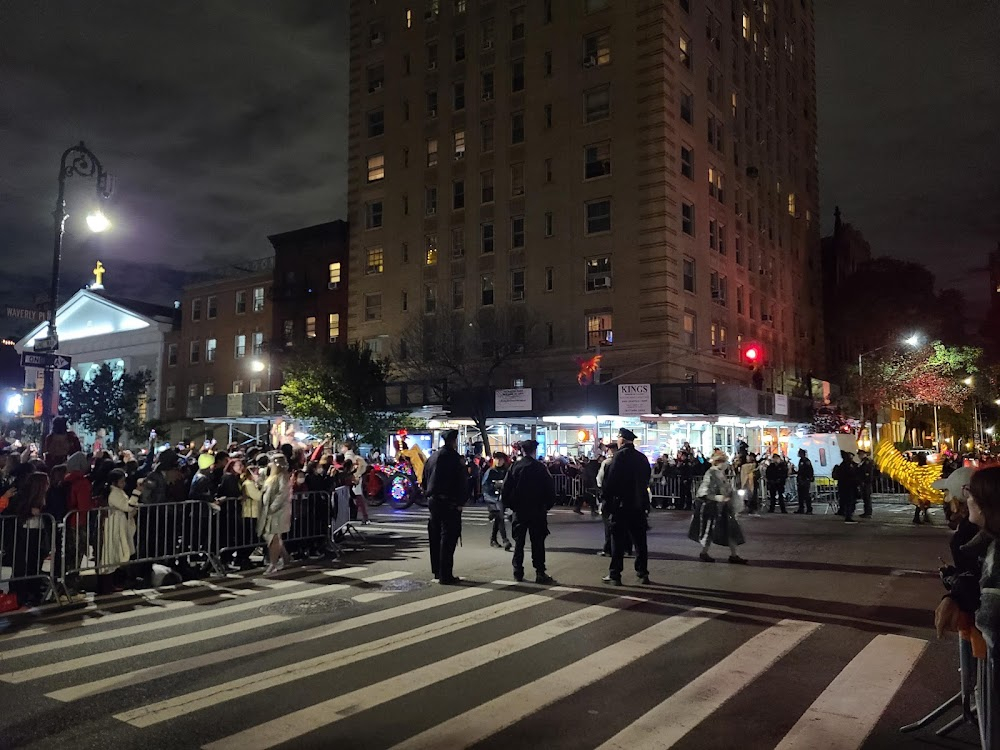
point(804, 477)
point(776, 474)
point(529, 491)
point(626, 502)
point(445, 483)
point(866, 478)
point(714, 519)
point(847, 477)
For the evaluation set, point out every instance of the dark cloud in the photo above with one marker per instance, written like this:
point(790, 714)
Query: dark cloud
point(223, 121)
point(908, 107)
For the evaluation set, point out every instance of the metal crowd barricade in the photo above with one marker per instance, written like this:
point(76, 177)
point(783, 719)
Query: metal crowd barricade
point(311, 516)
point(26, 545)
point(236, 530)
point(564, 487)
point(669, 487)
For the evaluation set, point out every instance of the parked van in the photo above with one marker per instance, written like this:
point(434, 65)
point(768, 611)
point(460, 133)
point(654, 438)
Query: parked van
point(823, 450)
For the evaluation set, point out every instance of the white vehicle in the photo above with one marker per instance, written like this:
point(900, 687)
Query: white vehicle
point(823, 450)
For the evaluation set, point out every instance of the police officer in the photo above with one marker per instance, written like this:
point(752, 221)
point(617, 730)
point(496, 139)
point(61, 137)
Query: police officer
point(804, 478)
point(445, 483)
point(529, 491)
point(626, 503)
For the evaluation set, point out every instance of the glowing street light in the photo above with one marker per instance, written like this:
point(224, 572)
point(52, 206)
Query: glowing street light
point(968, 381)
point(912, 340)
point(258, 366)
point(97, 222)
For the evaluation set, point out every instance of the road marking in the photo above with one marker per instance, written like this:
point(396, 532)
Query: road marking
point(221, 611)
point(251, 650)
point(845, 713)
point(104, 657)
point(155, 605)
point(298, 723)
point(155, 713)
point(667, 723)
point(374, 596)
point(491, 717)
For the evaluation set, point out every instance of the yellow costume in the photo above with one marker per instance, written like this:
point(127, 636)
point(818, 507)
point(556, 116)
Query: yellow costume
point(915, 478)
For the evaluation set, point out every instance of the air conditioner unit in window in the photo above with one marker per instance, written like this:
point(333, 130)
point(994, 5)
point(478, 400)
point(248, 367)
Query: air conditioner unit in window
point(459, 154)
point(590, 61)
point(601, 282)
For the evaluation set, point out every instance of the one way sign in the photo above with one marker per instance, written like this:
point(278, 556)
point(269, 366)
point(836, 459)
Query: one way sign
point(46, 360)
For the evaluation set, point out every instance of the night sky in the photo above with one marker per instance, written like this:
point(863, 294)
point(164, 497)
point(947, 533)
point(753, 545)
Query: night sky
point(225, 121)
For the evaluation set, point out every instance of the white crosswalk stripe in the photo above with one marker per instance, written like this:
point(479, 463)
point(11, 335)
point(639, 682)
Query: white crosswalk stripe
point(212, 651)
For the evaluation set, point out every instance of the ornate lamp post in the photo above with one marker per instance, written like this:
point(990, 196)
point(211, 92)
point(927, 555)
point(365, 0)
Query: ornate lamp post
point(76, 161)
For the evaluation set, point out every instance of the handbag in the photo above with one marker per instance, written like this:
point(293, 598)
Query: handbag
point(8, 602)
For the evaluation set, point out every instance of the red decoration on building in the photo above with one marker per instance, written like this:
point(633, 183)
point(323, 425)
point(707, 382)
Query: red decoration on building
point(588, 368)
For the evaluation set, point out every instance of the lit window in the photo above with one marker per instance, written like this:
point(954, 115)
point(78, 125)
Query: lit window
point(597, 49)
point(597, 160)
point(688, 268)
point(257, 342)
point(209, 389)
point(311, 327)
point(237, 386)
point(746, 26)
point(516, 232)
point(409, 18)
point(486, 179)
point(430, 298)
point(517, 285)
point(240, 346)
point(685, 50)
point(258, 299)
point(375, 260)
point(486, 287)
point(210, 347)
point(599, 330)
point(431, 250)
point(690, 330)
point(517, 179)
point(432, 152)
point(598, 274)
point(334, 274)
point(333, 325)
point(598, 216)
point(597, 104)
point(241, 302)
point(373, 306)
point(791, 204)
point(487, 235)
point(193, 390)
point(458, 137)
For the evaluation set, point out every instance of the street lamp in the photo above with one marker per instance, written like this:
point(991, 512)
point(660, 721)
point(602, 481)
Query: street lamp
point(77, 161)
point(913, 340)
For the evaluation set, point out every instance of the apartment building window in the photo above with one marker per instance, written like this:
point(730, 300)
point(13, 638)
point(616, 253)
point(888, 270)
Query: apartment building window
point(548, 170)
point(334, 274)
point(458, 96)
point(171, 355)
point(688, 274)
point(257, 343)
point(431, 250)
point(210, 347)
point(376, 123)
point(713, 234)
point(488, 33)
point(288, 331)
point(430, 298)
point(239, 346)
point(311, 327)
point(746, 27)
point(209, 388)
point(432, 152)
point(237, 386)
point(486, 186)
point(517, 75)
point(516, 128)
point(432, 56)
point(687, 218)
point(720, 288)
point(599, 330)
point(598, 215)
point(751, 307)
point(715, 133)
point(374, 261)
point(258, 299)
point(459, 47)
point(432, 103)
point(791, 204)
point(597, 49)
point(739, 299)
point(196, 309)
point(598, 273)
point(715, 185)
point(430, 201)
point(714, 83)
point(597, 104)
point(406, 204)
point(376, 167)
point(687, 162)
point(486, 289)
point(686, 51)
point(722, 238)
point(597, 160)
point(193, 390)
point(376, 78)
point(255, 385)
point(517, 24)
point(517, 179)
point(171, 396)
point(713, 31)
point(517, 285)
point(333, 326)
point(458, 195)
point(738, 244)
point(458, 242)
point(487, 85)
point(458, 143)
point(548, 224)
point(487, 237)
point(373, 215)
point(404, 301)
point(517, 232)
point(460, 7)
point(241, 302)
point(687, 107)
point(547, 63)
point(547, 113)
point(373, 306)
point(685, 5)
point(690, 330)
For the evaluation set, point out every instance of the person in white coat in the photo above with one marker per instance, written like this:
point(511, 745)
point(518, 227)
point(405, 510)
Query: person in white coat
point(276, 512)
point(359, 466)
point(119, 528)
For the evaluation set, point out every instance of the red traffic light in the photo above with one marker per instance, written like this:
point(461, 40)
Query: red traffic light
point(751, 354)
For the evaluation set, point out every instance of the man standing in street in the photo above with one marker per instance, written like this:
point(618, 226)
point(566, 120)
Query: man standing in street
point(846, 475)
point(866, 475)
point(804, 478)
point(626, 501)
point(529, 491)
point(775, 475)
point(446, 487)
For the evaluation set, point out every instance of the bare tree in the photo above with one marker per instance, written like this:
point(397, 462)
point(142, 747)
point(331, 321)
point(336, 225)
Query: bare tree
point(464, 356)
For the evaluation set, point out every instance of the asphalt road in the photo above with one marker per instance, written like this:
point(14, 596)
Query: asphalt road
point(823, 642)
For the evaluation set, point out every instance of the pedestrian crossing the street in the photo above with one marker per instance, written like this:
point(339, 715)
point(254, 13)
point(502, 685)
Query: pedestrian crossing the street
point(194, 668)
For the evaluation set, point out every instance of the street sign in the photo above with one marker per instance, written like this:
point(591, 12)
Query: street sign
point(46, 344)
point(46, 360)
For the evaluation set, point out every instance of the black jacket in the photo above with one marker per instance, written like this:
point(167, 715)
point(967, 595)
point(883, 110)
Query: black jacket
point(626, 482)
point(445, 477)
point(529, 490)
point(806, 472)
point(776, 473)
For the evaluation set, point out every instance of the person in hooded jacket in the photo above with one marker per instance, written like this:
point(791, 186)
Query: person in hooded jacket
point(625, 488)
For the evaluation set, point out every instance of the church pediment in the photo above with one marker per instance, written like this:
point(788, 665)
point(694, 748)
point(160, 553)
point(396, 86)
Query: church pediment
point(86, 315)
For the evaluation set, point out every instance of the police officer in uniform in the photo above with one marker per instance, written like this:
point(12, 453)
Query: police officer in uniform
point(446, 487)
point(529, 491)
point(626, 503)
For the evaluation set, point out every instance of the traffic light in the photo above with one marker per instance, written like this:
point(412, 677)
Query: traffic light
point(753, 355)
point(583, 436)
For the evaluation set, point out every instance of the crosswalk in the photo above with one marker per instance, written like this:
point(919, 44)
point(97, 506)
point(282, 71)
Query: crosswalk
point(237, 668)
point(413, 520)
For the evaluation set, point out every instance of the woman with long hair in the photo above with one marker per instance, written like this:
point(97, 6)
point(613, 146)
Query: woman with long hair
point(276, 512)
point(32, 538)
point(250, 511)
point(984, 512)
